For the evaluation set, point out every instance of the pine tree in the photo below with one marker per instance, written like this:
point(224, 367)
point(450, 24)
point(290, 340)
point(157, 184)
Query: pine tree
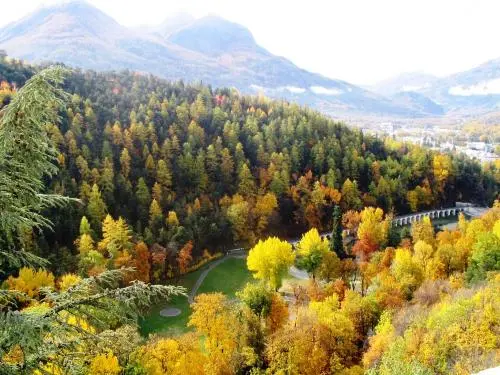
point(125, 163)
point(155, 216)
point(163, 175)
point(25, 159)
point(246, 185)
point(337, 243)
point(143, 199)
point(96, 209)
point(47, 334)
point(85, 226)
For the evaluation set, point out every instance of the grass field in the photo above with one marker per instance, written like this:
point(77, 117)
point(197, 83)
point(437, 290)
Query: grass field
point(153, 322)
point(228, 277)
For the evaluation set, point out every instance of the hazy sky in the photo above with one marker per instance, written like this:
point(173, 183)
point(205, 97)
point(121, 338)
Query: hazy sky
point(360, 41)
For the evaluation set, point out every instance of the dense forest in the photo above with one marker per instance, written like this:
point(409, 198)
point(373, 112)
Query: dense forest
point(111, 181)
point(184, 163)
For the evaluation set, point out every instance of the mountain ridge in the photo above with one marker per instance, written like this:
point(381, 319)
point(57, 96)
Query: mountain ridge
point(206, 49)
point(474, 91)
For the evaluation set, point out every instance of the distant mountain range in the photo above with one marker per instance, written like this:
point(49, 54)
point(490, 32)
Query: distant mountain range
point(223, 53)
point(475, 91)
point(405, 82)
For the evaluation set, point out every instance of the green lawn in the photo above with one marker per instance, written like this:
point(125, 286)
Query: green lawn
point(228, 277)
point(153, 322)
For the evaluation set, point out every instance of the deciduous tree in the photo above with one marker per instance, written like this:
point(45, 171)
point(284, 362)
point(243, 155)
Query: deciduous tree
point(270, 260)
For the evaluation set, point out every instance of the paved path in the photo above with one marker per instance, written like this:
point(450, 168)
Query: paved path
point(205, 272)
point(298, 274)
point(477, 211)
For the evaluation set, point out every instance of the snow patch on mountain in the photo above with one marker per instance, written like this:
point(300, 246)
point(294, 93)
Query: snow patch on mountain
point(491, 87)
point(407, 88)
point(293, 89)
point(325, 91)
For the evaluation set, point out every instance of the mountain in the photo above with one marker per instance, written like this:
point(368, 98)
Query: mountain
point(474, 90)
point(174, 23)
point(210, 49)
point(418, 103)
point(80, 35)
point(215, 36)
point(404, 82)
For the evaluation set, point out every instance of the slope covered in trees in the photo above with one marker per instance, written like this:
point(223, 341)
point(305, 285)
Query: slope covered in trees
point(43, 326)
point(187, 163)
point(419, 303)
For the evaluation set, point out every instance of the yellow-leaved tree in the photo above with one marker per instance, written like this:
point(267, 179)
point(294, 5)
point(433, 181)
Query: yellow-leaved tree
point(105, 364)
point(311, 250)
point(215, 319)
point(30, 281)
point(68, 280)
point(175, 356)
point(270, 260)
point(311, 242)
point(372, 232)
point(406, 271)
point(441, 167)
point(116, 236)
point(373, 225)
point(423, 231)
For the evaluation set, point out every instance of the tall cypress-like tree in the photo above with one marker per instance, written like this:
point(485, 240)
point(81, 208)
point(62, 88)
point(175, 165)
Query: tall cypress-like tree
point(47, 335)
point(26, 158)
point(336, 243)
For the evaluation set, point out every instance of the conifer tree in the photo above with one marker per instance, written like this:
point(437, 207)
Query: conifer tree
point(336, 243)
point(96, 209)
point(49, 334)
point(26, 158)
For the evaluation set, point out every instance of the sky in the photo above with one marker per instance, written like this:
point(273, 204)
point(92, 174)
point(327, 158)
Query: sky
point(359, 41)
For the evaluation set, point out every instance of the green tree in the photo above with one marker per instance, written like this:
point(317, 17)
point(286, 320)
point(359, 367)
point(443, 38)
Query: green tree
point(96, 208)
point(143, 199)
point(163, 175)
point(337, 242)
point(85, 226)
point(351, 198)
point(125, 163)
point(246, 183)
point(257, 297)
point(26, 158)
point(485, 257)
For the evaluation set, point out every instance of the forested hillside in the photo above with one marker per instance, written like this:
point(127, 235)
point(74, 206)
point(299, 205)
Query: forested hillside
point(187, 163)
point(164, 172)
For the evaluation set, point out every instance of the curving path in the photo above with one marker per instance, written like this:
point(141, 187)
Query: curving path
point(203, 275)
point(298, 274)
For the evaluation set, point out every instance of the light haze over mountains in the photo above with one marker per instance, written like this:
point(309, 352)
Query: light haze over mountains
point(222, 53)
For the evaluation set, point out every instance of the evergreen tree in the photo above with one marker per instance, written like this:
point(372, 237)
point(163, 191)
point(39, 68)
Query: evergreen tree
point(96, 208)
point(337, 243)
point(52, 333)
point(143, 199)
point(246, 184)
point(26, 158)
